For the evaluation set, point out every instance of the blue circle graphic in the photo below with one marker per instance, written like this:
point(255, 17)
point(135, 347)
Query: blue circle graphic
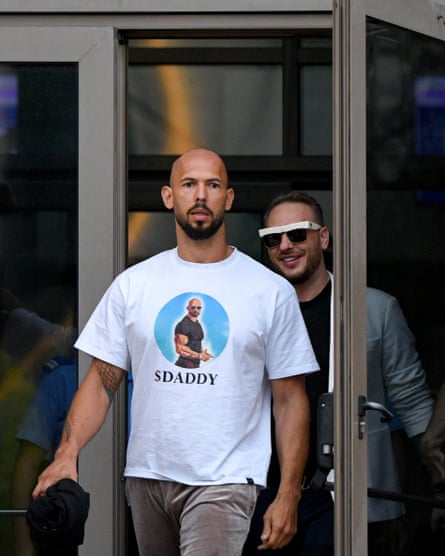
point(213, 319)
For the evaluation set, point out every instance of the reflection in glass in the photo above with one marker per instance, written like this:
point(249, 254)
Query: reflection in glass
point(406, 258)
point(429, 98)
point(405, 108)
point(230, 109)
point(38, 277)
point(205, 43)
point(8, 111)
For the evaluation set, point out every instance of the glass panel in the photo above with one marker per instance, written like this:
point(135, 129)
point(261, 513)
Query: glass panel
point(316, 110)
point(230, 109)
point(316, 42)
point(406, 259)
point(38, 277)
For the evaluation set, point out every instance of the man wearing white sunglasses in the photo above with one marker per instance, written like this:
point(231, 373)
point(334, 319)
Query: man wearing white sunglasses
point(296, 239)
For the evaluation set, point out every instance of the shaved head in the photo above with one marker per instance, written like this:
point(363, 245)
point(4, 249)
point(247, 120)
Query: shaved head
point(199, 154)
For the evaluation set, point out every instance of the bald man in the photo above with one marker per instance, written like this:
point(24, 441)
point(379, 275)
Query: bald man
point(188, 338)
point(200, 440)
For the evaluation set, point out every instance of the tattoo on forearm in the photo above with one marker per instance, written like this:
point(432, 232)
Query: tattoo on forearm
point(108, 377)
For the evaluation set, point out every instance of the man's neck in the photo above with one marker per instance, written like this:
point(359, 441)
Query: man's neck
point(211, 250)
point(309, 290)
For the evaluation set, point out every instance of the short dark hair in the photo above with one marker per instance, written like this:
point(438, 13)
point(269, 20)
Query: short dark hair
point(297, 197)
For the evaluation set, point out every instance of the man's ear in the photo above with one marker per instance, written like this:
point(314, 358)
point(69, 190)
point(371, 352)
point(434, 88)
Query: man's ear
point(324, 237)
point(167, 196)
point(229, 198)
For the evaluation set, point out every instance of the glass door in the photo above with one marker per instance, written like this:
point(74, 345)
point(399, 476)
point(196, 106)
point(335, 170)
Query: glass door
point(56, 194)
point(390, 206)
point(38, 250)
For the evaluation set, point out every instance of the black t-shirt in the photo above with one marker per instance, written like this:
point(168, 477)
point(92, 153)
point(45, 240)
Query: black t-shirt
point(316, 314)
point(193, 330)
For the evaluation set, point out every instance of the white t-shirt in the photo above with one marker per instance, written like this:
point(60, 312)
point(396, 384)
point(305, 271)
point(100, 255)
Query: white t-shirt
point(211, 424)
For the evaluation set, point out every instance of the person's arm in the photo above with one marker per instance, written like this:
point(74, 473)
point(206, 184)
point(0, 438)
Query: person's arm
point(431, 446)
point(181, 341)
point(85, 417)
point(405, 379)
point(432, 442)
point(291, 413)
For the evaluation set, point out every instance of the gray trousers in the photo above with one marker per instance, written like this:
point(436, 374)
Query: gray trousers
point(171, 519)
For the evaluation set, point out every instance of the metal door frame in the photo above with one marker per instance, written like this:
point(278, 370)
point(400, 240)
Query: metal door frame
point(90, 48)
point(350, 193)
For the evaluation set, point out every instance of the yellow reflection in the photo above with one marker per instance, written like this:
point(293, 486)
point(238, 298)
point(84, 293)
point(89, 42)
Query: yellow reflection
point(137, 223)
point(180, 124)
point(180, 129)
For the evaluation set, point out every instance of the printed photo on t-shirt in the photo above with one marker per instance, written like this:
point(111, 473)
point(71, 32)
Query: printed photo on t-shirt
point(191, 330)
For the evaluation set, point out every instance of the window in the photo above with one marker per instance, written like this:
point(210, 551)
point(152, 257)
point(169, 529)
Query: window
point(263, 103)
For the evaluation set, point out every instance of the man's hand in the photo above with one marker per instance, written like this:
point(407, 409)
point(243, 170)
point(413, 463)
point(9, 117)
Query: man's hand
point(433, 455)
point(205, 355)
point(64, 466)
point(438, 519)
point(432, 443)
point(280, 523)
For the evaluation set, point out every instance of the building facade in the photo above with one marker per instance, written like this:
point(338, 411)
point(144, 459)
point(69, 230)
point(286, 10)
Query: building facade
point(344, 99)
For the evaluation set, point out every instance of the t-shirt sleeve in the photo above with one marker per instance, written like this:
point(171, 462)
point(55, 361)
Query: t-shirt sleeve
point(289, 350)
point(104, 334)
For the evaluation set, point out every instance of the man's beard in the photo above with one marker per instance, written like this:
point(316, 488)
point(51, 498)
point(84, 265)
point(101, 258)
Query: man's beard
point(301, 279)
point(197, 232)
